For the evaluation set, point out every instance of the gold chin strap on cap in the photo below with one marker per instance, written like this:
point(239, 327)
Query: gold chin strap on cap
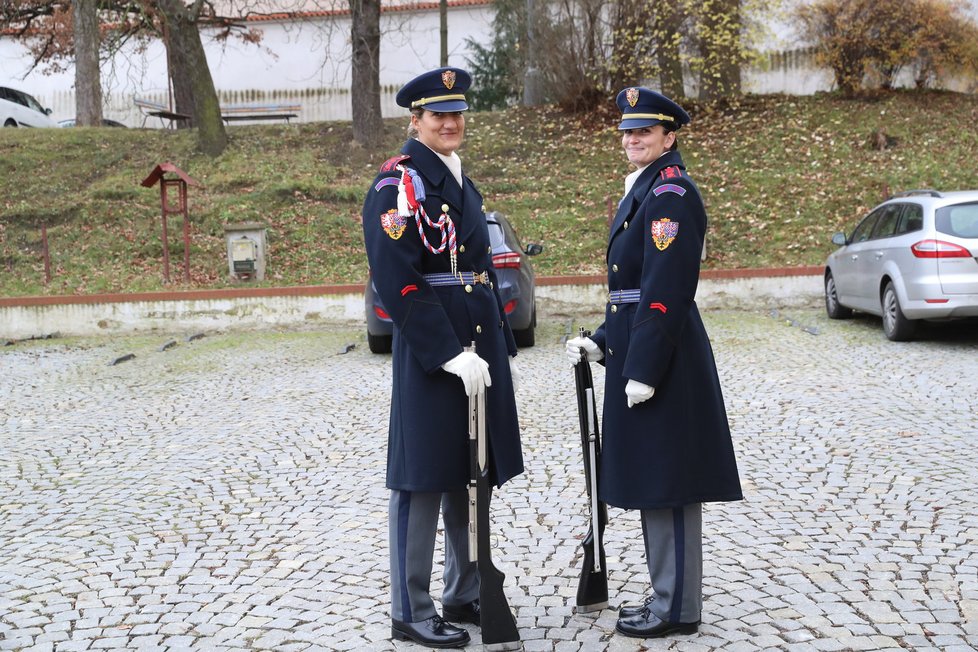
point(436, 98)
point(648, 116)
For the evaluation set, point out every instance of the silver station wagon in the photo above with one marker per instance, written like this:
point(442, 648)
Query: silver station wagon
point(914, 257)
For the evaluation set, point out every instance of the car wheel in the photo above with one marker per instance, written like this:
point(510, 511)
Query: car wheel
point(10, 123)
point(833, 308)
point(379, 343)
point(896, 326)
point(527, 338)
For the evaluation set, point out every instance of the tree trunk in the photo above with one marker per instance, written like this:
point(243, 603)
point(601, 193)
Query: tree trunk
point(368, 128)
point(720, 47)
point(192, 80)
point(443, 16)
point(670, 19)
point(88, 82)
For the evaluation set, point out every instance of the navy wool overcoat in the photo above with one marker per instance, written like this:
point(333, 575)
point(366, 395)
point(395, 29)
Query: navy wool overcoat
point(675, 448)
point(428, 445)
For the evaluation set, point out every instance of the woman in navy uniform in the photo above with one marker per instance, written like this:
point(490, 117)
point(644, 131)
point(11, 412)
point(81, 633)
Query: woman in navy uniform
point(428, 247)
point(667, 446)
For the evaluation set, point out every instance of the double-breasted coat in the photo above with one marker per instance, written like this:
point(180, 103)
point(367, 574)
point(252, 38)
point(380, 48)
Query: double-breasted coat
point(428, 444)
point(674, 449)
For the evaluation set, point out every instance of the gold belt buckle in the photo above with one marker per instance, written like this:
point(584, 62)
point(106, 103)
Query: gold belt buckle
point(481, 277)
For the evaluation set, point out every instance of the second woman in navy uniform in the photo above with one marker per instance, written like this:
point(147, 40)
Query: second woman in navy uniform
point(667, 446)
point(430, 259)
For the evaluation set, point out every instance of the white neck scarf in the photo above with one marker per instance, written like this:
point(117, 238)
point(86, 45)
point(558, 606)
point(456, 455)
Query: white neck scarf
point(633, 177)
point(452, 162)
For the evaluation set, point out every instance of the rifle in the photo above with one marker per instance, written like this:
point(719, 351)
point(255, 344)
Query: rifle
point(592, 589)
point(496, 618)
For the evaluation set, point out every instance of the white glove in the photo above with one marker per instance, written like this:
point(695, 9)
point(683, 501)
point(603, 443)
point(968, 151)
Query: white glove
point(638, 392)
point(473, 370)
point(514, 371)
point(577, 344)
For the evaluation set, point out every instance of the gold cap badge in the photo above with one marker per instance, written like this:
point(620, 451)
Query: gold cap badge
point(448, 78)
point(632, 96)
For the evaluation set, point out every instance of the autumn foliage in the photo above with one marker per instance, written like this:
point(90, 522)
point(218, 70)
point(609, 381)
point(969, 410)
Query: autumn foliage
point(868, 43)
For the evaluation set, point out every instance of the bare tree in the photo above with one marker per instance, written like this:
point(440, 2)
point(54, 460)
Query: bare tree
point(722, 53)
point(443, 31)
point(88, 80)
point(365, 93)
point(192, 80)
point(669, 21)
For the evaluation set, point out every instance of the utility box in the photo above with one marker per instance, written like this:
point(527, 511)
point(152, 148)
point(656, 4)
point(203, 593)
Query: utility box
point(246, 250)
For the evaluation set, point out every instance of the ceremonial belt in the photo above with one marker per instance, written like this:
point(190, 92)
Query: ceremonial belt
point(625, 296)
point(462, 278)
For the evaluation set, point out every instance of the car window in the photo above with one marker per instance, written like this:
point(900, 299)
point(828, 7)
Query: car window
point(496, 238)
point(887, 223)
point(912, 219)
point(32, 103)
point(959, 220)
point(864, 228)
point(16, 96)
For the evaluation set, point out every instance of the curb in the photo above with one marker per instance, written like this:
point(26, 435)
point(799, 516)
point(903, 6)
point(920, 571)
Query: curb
point(248, 308)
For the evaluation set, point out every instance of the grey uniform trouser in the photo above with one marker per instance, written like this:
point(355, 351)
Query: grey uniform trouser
point(674, 553)
point(413, 522)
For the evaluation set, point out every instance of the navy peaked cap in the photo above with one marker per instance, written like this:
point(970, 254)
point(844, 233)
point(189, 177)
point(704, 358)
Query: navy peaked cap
point(641, 107)
point(441, 90)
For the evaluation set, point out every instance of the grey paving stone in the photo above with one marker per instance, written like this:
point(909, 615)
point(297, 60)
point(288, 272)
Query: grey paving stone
point(240, 511)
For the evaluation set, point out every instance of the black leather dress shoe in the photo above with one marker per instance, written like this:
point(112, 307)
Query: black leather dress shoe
point(647, 625)
point(629, 610)
point(463, 613)
point(433, 632)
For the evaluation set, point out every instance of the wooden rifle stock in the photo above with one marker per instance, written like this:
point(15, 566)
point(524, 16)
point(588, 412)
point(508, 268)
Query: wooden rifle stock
point(497, 622)
point(592, 589)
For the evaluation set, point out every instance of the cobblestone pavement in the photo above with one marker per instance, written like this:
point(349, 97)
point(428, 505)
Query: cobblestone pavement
point(228, 493)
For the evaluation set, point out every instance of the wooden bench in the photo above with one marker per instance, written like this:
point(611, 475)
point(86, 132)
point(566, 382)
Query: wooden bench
point(242, 112)
point(151, 109)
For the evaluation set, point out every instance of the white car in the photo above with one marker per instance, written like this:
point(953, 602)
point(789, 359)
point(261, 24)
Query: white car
point(915, 256)
point(18, 109)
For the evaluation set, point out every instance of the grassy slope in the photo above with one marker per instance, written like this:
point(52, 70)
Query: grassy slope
point(779, 175)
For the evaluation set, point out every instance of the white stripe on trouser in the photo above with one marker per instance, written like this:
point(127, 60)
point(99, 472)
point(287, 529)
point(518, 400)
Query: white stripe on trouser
point(412, 524)
point(674, 554)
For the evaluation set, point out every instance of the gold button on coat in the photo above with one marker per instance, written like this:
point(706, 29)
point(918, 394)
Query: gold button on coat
point(614, 268)
point(625, 225)
point(444, 208)
point(614, 308)
point(489, 250)
point(468, 288)
point(478, 329)
point(461, 249)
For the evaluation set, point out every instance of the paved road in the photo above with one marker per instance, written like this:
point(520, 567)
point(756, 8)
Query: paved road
point(228, 494)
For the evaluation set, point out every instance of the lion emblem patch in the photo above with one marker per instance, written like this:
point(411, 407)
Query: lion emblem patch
point(664, 231)
point(393, 224)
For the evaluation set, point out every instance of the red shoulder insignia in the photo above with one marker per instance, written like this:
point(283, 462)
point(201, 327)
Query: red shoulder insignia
point(671, 172)
point(393, 162)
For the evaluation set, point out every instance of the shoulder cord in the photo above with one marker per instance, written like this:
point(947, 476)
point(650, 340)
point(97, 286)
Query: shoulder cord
point(409, 204)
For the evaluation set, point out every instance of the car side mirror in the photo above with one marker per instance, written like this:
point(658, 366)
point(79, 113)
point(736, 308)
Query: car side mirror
point(533, 249)
point(839, 239)
point(47, 111)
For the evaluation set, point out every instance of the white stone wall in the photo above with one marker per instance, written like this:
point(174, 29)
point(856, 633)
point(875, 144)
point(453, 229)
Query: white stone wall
point(304, 62)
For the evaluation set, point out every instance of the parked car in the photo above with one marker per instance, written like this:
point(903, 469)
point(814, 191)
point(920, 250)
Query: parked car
point(71, 122)
point(913, 257)
point(516, 288)
point(18, 109)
